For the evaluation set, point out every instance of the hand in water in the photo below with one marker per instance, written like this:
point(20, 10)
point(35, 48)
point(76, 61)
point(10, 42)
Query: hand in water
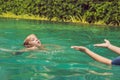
point(106, 44)
point(80, 48)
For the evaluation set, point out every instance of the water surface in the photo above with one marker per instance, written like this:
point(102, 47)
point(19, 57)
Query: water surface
point(60, 62)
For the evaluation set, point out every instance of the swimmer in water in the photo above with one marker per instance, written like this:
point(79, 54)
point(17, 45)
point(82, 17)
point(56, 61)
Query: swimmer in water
point(99, 58)
point(31, 43)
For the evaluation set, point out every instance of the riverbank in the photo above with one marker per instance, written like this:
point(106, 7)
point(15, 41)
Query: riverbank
point(33, 17)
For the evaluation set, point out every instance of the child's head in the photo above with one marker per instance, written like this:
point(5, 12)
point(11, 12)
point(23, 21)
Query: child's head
point(32, 41)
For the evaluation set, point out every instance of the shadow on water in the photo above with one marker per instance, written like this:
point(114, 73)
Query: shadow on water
point(59, 62)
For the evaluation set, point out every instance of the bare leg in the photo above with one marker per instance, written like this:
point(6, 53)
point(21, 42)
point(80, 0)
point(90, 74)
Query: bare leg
point(93, 55)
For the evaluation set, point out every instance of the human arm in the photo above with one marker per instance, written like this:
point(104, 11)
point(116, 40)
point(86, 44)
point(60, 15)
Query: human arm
point(93, 55)
point(108, 45)
point(15, 52)
point(18, 52)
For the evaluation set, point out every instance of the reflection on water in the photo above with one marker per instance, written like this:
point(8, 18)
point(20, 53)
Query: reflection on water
point(59, 61)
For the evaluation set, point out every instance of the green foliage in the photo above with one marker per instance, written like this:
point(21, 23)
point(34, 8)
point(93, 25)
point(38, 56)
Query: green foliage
point(91, 11)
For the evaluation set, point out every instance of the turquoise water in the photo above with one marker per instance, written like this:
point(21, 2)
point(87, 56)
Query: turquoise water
point(59, 62)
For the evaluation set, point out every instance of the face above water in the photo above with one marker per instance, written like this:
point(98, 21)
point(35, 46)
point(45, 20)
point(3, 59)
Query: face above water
point(35, 42)
point(32, 41)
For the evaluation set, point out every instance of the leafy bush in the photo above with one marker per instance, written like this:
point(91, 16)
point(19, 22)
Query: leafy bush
point(91, 11)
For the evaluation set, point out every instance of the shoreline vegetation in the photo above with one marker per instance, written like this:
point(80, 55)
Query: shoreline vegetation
point(33, 17)
point(98, 12)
